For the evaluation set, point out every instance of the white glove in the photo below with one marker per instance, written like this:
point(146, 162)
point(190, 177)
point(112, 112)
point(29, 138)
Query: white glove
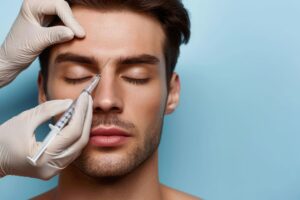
point(29, 35)
point(17, 139)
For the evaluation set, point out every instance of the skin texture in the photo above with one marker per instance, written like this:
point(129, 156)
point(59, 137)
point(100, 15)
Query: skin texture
point(129, 171)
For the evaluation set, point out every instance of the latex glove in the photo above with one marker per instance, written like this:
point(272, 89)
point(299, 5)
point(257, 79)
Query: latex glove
point(17, 139)
point(29, 35)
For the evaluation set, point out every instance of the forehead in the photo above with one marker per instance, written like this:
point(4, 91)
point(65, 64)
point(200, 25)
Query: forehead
point(114, 33)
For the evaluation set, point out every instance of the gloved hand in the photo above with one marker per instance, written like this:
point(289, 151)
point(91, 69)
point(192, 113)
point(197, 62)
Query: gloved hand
point(17, 139)
point(29, 35)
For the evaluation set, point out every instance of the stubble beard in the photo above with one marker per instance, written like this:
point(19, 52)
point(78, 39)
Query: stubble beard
point(110, 168)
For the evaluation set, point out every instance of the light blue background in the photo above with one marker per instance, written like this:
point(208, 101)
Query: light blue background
point(236, 133)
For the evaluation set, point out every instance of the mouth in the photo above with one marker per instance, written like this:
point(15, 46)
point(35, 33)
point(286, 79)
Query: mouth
point(108, 137)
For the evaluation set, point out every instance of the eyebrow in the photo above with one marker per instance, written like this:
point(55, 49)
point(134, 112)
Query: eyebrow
point(71, 57)
point(89, 60)
point(139, 59)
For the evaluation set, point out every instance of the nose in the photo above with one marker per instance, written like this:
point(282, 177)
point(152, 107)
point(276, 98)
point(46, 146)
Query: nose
point(107, 96)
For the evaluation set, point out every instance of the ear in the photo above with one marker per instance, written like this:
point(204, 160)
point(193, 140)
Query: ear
point(42, 94)
point(174, 93)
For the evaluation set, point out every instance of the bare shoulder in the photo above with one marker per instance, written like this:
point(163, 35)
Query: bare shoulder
point(45, 196)
point(173, 194)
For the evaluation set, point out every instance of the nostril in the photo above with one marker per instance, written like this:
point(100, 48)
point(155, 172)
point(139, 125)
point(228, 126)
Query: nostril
point(113, 109)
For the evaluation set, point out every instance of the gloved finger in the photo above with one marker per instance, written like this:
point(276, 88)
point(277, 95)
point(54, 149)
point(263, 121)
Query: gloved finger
point(65, 14)
point(59, 162)
point(54, 35)
point(46, 171)
point(62, 9)
point(77, 147)
point(73, 130)
point(45, 111)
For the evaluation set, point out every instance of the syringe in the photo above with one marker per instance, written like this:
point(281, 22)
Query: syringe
point(61, 123)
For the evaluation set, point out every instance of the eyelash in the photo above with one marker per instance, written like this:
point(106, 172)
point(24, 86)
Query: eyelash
point(76, 80)
point(136, 81)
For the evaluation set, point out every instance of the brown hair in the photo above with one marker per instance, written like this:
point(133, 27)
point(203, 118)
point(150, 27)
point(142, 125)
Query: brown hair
point(171, 14)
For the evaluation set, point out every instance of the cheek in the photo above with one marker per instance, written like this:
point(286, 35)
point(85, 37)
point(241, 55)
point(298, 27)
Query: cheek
point(147, 106)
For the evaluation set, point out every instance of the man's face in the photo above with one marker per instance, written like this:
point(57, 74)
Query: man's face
point(126, 48)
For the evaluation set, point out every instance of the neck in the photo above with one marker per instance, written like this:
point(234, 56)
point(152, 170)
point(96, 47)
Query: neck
point(141, 183)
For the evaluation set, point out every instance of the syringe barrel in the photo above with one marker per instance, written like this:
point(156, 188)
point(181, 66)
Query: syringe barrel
point(63, 120)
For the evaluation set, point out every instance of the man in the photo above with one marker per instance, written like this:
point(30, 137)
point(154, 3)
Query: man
point(134, 45)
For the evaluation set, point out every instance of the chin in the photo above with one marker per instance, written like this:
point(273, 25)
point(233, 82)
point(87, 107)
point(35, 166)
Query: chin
point(103, 164)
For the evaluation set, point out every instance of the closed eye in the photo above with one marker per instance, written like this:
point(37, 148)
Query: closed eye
point(77, 80)
point(136, 81)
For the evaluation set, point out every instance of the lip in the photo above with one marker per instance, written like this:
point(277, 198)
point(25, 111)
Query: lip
point(108, 137)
